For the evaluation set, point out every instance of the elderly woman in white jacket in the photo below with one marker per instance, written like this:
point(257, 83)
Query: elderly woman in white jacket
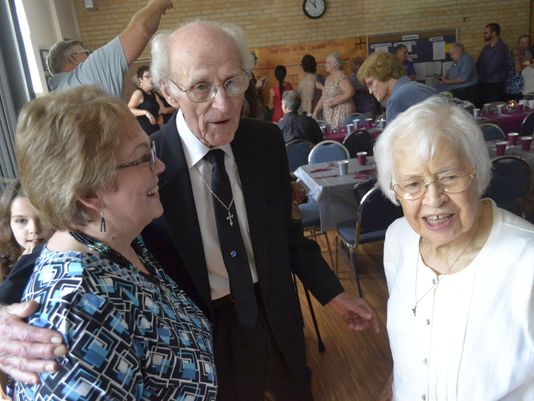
point(460, 270)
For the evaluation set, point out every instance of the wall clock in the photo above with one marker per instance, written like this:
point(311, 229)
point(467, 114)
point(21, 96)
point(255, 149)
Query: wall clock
point(314, 8)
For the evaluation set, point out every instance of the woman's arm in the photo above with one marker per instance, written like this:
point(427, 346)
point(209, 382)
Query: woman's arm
point(133, 104)
point(271, 99)
point(318, 107)
point(347, 90)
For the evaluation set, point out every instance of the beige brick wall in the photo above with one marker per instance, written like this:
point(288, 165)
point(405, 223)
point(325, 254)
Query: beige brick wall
point(274, 22)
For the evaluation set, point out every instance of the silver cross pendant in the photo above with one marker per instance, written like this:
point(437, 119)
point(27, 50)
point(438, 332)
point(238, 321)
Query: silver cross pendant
point(230, 218)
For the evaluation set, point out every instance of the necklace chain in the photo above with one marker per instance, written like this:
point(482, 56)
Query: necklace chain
point(230, 216)
point(435, 282)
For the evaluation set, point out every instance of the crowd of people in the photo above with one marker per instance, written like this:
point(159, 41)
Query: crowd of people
point(146, 259)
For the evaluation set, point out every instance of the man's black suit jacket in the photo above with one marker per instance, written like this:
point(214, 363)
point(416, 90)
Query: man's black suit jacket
point(277, 240)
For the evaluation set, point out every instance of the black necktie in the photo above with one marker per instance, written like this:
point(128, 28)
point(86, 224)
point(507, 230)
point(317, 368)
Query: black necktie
point(232, 246)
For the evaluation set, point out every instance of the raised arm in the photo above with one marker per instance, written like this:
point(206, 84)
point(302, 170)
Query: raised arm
point(142, 26)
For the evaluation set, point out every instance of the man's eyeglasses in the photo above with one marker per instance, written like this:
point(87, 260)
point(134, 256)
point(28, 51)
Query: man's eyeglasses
point(205, 91)
point(86, 52)
point(450, 183)
point(149, 158)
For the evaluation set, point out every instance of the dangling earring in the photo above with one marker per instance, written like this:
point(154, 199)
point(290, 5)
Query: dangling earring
point(102, 222)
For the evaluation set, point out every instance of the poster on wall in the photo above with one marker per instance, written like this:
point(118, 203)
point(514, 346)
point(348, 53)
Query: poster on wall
point(428, 50)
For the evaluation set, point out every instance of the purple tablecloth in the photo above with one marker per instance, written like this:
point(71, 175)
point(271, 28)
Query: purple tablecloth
point(509, 122)
point(340, 135)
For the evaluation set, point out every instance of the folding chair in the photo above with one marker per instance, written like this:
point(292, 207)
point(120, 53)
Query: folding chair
point(374, 215)
point(359, 141)
point(327, 151)
point(510, 183)
point(492, 131)
point(527, 126)
point(297, 153)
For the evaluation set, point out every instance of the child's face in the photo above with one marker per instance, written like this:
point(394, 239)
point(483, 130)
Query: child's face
point(26, 226)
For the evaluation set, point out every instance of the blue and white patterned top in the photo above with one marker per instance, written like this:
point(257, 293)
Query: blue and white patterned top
point(130, 336)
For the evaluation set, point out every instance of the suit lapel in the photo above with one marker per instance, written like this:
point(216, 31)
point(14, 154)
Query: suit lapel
point(179, 207)
point(249, 160)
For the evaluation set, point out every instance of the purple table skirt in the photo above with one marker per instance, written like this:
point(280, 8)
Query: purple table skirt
point(509, 122)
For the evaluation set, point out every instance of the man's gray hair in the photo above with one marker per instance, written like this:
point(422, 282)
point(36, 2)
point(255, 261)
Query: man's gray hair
point(336, 57)
point(458, 46)
point(424, 127)
point(58, 56)
point(159, 48)
point(292, 100)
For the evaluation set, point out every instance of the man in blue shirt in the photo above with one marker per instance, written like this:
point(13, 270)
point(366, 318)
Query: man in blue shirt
point(401, 52)
point(71, 65)
point(462, 73)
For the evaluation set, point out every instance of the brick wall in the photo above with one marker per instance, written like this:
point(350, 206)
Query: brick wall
point(273, 22)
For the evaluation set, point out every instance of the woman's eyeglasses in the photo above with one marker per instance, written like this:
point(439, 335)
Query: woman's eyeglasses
point(451, 183)
point(149, 158)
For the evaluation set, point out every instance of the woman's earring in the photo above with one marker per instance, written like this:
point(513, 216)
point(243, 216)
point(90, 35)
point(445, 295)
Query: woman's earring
point(102, 222)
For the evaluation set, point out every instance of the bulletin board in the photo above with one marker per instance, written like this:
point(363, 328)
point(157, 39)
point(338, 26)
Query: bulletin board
point(428, 50)
point(291, 55)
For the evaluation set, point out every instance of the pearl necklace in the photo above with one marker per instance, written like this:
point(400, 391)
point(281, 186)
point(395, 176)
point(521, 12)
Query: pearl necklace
point(435, 283)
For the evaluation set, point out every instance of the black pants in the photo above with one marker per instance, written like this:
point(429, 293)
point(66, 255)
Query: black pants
point(491, 92)
point(249, 364)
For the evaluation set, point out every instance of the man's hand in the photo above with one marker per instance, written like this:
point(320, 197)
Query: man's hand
point(354, 310)
point(298, 192)
point(26, 350)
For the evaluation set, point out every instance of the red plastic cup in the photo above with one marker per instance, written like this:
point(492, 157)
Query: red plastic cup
point(362, 158)
point(512, 138)
point(501, 147)
point(526, 142)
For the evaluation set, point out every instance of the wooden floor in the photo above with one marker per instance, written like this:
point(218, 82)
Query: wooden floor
point(354, 366)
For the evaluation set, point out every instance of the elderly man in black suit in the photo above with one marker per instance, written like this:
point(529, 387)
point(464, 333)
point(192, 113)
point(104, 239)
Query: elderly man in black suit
point(296, 126)
point(227, 197)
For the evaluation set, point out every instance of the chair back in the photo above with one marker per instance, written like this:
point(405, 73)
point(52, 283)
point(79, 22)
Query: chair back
point(492, 131)
point(375, 214)
point(359, 141)
point(510, 183)
point(527, 126)
point(328, 151)
point(355, 116)
point(297, 153)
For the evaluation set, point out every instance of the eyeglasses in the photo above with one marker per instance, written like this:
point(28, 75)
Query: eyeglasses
point(149, 158)
point(205, 91)
point(86, 52)
point(450, 183)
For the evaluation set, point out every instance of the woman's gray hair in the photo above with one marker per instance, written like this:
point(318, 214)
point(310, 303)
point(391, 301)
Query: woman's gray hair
point(159, 48)
point(336, 57)
point(424, 126)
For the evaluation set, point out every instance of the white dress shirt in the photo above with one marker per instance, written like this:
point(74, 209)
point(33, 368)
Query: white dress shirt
point(472, 337)
point(200, 174)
